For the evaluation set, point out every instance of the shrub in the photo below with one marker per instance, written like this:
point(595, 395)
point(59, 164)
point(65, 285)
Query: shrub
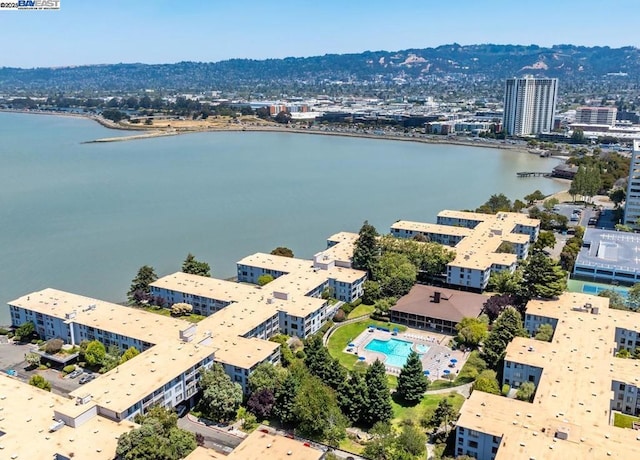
point(505, 389)
point(300, 354)
point(53, 346)
point(4, 331)
point(181, 308)
point(340, 316)
point(356, 302)
point(68, 369)
point(347, 308)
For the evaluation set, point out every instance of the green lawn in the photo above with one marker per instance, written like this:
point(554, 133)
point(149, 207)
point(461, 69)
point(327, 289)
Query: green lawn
point(624, 421)
point(345, 334)
point(351, 446)
point(427, 405)
point(192, 318)
point(361, 310)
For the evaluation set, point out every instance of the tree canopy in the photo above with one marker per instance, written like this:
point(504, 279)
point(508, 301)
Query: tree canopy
point(487, 382)
point(282, 251)
point(220, 396)
point(366, 250)
point(544, 333)
point(140, 291)
point(95, 353)
point(39, 381)
point(543, 277)
point(378, 396)
point(395, 274)
point(472, 331)
point(411, 382)
point(526, 391)
point(505, 328)
point(158, 437)
point(195, 267)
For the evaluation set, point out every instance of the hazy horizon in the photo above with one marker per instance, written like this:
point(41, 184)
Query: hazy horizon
point(165, 32)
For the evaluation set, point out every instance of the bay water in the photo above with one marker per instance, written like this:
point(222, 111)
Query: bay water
point(83, 217)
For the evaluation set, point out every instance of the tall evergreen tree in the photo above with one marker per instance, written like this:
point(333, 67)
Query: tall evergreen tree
point(366, 250)
point(284, 407)
point(412, 383)
point(543, 277)
point(352, 397)
point(321, 364)
point(506, 327)
point(379, 407)
point(140, 290)
point(195, 267)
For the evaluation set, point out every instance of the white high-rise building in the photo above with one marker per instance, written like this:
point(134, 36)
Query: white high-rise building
point(632, 206)
point(529, 105)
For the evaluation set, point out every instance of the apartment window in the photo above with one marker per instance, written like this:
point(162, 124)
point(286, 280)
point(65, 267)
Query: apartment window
point(474, 434)
point(622, 386)
point(473, 444)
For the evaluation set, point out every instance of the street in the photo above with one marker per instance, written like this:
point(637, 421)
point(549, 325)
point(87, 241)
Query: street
point(213, 437)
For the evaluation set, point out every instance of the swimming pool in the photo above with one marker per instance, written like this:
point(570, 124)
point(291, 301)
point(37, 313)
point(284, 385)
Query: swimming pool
point(395, 350)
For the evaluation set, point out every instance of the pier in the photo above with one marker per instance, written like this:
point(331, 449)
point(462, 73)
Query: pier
point(533, 174)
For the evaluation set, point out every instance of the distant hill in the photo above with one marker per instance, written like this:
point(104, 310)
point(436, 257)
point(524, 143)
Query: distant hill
point(479, 62)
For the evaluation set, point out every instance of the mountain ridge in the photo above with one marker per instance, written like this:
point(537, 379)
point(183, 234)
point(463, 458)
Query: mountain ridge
point(411, 66)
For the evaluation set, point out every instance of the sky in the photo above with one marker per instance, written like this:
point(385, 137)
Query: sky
point(163, 31)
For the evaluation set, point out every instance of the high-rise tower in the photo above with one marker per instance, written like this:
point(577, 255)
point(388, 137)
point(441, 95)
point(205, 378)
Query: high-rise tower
point(529, 105)
point(632, 204)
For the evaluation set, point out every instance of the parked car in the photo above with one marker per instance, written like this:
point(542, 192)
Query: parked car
point(86, 378)
point(75, 373)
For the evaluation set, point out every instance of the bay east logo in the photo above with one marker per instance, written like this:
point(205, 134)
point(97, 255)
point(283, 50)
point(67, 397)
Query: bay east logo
point(30, 5)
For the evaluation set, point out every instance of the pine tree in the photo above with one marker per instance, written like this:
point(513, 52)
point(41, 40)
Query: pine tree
point(284, 407)
point(140, 289)
point(321, 364)
point(506, 327)
point(366, 250)
point(543, 277)
point(412, 383)
point(195, 267)
point(352, 397)
point(379, 407)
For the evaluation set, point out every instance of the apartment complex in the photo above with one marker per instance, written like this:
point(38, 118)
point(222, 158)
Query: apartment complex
point(529, 105)
point(632, 205)
point(579, 383)
point(329, 269)
point(596, 115)
point(476, 239)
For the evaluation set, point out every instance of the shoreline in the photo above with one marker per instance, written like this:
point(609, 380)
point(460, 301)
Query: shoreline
point(148, 133)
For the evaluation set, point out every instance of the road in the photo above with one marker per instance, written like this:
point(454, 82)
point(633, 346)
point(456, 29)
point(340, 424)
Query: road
point(213, 437)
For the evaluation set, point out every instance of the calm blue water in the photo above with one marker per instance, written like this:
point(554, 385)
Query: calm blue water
point(85, 217)
point(395, 350)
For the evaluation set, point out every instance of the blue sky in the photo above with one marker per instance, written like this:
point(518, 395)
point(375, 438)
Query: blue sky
point(163, 31)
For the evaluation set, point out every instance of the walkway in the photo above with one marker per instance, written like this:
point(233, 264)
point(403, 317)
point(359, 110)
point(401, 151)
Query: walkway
point(464, 390)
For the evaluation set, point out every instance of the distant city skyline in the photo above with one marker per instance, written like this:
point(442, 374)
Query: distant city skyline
point(165, 31)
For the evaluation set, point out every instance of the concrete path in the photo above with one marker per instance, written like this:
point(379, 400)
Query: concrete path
point(464, 390)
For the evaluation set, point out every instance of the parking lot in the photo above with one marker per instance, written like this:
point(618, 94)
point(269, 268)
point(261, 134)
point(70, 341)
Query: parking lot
point(12, 357)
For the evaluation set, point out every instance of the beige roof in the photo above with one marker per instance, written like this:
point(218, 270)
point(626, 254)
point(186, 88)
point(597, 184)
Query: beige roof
point(574, 392)
point(244, 353)
point(137, 378)
point(279, 263)
point(299, 282)
point(118, 319)
point(346, 275)
point(432, 228)
point(237, 319)
point(261, 446)
point(478, 250)
point(464, 215)
point(26, 414)
point(211, 288)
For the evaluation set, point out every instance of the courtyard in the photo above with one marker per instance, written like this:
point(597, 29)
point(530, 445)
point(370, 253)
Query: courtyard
point(392, 347)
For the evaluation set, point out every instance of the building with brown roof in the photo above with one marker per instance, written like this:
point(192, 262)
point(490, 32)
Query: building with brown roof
point(429, 307)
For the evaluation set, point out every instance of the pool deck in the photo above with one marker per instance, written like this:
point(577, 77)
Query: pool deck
point(436, 360)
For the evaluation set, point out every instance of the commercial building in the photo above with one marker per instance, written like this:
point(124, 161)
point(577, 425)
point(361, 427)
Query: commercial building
point(632, 205)
point(579, 384)
point(608, 256)
point(478, 241)
point(529, 105)
point(596, 115)
point(429, 307)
